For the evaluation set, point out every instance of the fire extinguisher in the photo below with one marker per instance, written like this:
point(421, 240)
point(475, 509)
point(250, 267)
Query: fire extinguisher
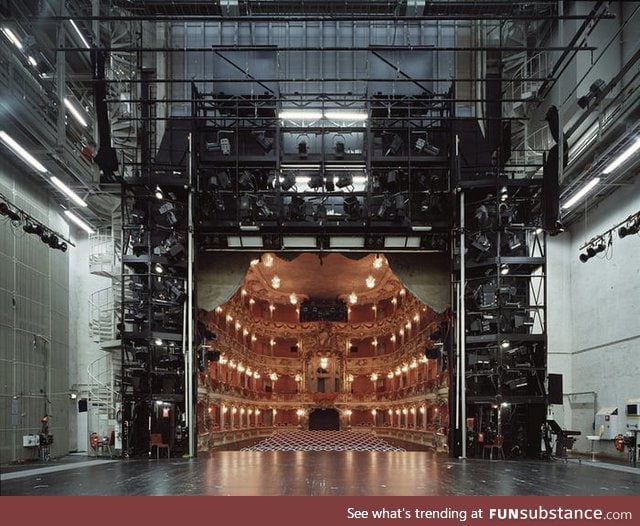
point(618, 442)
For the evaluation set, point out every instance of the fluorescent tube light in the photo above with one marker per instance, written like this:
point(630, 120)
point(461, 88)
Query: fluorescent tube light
point(86, 227)
point(12, 37)
point(84, 40)
point(622, 157)
point(295, 115)
point(72, 109)
point(581, 193)
point(339, 115)
point(346, 242)
point(66, 190)
point(21, 152)
point(244, 242)
point(300, 167)
point(401, 242)
point(299, 242)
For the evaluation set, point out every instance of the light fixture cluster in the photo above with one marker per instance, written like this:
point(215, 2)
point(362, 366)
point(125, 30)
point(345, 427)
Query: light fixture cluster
point(32, 226)
point(628, 227)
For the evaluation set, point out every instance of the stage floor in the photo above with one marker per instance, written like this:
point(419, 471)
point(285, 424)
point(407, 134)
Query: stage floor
point(308, 473)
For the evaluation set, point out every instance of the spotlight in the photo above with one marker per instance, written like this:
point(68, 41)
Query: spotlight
point(629, 229)
point(345, 179)
point(595, 90)
point(288, 181)
point(422, 145)
point(31, 227)
point(316, 181)
point(167, 211)
point(53, 241)
point(481, 242)
point(225, 146)
point(247, 181)
point(266, 143)
point(296, 208)
point(395, 146)
point(592, 250)
point(482, 216)
point(158, 193)
point(220, 180)
point(513, 241)
point(329, 184)
point(6, 211)
point(352, 208)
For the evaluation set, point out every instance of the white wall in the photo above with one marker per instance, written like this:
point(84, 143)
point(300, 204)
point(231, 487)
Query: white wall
point(593, 311)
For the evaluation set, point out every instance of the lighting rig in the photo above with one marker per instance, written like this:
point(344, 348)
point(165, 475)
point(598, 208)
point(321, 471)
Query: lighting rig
point(30, 225)
point(600, 243)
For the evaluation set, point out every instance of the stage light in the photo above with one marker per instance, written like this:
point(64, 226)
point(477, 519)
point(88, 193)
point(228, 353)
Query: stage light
point(6, 211)
point(594, 91)
point(329, 184)
point(315, 181)
point(595, 248)
point(630, 228)
point(225, 146)
point(395, 146)
point(288, 181)
point(422, 145)
point(30, 227)
point(352, 208)
point(266, 143)
point(344, 179)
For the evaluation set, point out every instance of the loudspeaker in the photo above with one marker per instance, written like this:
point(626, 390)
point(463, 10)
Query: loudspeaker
point(82, 405)
point(555, 389)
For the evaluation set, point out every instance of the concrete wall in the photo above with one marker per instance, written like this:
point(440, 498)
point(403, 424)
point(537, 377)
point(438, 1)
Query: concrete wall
point(34, 322)
point(593, 312)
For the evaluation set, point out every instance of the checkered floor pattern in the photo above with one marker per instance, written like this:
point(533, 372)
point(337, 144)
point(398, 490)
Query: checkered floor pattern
point(322, 441)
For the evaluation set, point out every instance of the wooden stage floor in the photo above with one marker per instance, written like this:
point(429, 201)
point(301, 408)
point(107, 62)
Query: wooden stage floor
point(297, 473)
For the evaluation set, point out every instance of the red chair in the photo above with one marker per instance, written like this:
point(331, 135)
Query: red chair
point(497, 444)
point(155, 440)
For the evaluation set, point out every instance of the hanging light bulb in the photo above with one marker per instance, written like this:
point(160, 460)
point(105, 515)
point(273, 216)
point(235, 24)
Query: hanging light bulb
point(275, 282)
point(267, 260)
point(378, 262)
point(370, 281)
point(353, 298)
point(293, 298)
